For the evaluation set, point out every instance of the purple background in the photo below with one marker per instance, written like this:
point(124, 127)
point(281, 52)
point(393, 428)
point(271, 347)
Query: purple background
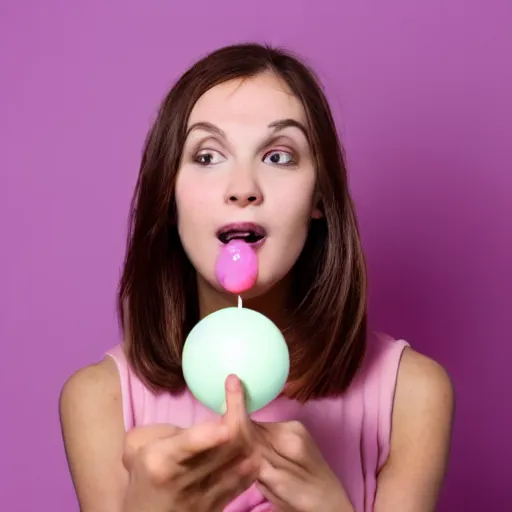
point(422, 92)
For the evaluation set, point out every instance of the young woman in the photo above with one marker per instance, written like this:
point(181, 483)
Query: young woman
point(246, 139)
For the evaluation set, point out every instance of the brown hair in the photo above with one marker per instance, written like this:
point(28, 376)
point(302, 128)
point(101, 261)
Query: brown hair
point(157, 298)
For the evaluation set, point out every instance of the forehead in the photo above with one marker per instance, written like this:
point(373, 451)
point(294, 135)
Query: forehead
point(257, 100)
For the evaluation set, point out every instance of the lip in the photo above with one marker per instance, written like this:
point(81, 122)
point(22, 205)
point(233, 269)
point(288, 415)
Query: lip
point(245, 226)
point(257, 244)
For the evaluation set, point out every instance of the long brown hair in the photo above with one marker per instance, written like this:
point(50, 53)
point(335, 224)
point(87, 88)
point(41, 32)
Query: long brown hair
point(157, 297)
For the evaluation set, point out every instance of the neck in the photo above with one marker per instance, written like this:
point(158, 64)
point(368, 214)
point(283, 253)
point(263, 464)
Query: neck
point(272, 303)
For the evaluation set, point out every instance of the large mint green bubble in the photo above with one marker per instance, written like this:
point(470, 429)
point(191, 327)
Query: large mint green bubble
point(236, 341)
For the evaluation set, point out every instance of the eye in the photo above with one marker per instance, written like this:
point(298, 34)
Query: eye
point(209, 157)
point(279, 158)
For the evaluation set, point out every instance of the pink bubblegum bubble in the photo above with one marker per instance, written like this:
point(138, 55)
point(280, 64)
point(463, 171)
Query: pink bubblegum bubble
point(237, 267)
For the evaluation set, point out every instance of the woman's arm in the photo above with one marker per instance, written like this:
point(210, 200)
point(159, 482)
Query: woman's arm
point(93, 433)
point(412, 477)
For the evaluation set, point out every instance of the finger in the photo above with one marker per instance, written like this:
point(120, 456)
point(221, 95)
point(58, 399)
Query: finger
point(219, 483)
point(282, 462)
point(277, 505)
point(213, 463)
point(276, 486)
point(289, 448)
point(197, 439)
point(233, 484)
point(139, 437)
point(236, 416)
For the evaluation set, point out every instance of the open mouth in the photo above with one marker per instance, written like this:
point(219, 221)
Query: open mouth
point(248, 232)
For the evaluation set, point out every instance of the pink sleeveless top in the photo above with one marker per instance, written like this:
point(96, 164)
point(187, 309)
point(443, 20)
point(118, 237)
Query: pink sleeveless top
point(352, 431)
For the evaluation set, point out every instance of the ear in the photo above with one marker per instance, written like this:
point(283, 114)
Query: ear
point(317, 212)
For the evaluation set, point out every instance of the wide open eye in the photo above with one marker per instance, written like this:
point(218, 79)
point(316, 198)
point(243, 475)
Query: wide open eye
point(279, 157)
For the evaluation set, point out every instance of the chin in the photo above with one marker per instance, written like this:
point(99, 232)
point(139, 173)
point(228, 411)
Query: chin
point(258, 290)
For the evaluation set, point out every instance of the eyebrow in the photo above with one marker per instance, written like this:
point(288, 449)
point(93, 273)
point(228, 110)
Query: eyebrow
point(288, 123)
point(276, 127)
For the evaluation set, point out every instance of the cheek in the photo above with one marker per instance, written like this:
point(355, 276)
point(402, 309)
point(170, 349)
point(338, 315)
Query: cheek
point(192, 208)
point(193, 203)
point(295, 210)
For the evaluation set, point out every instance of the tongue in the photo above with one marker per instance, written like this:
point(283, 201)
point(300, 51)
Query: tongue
point(237, 266)
point(238, 235)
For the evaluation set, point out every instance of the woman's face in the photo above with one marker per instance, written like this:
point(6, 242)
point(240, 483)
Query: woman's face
point(246, 159)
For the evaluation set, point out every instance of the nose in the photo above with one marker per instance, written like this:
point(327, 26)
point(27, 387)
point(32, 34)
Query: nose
point(244, 191)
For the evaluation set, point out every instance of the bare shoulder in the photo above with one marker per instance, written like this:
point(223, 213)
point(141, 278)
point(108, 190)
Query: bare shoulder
point(421, 430)
point(423, 382)
point(93, 433)
point(99, 377)
point(89, 394)
point(424, 390)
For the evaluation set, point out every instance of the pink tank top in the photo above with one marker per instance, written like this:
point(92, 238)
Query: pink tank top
point(352, 431)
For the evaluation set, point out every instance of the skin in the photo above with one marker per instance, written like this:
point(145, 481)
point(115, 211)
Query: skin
point(247, 173)
point(231, 177)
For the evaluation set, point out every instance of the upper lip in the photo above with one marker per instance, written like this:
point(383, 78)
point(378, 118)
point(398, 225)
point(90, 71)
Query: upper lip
point(242, 226)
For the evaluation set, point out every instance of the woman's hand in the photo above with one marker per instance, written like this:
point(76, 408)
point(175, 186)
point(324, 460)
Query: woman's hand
point(293, 475)
point(201, 468)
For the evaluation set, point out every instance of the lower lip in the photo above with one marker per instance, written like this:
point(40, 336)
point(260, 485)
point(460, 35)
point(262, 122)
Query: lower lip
point(258, 244)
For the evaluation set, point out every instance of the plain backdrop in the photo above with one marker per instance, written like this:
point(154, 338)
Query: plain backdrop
point(422, 94)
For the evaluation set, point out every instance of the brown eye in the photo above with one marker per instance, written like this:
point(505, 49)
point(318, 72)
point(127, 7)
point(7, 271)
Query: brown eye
point(205, 159)
point(279, 158)
point(209, 157)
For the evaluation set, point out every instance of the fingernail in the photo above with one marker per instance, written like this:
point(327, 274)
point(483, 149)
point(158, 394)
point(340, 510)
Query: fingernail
point(232, 383)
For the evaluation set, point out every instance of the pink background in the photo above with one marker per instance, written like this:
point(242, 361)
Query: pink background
point(422, 92)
